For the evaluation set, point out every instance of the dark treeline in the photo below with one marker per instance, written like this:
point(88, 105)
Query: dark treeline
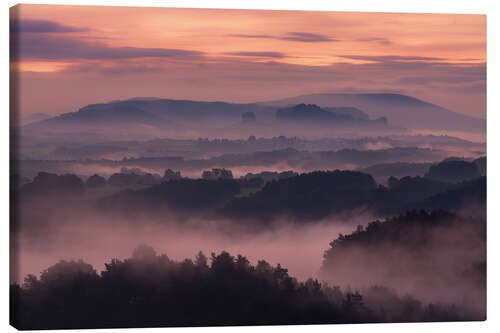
point(185, 195)
point(305, 197)
point(315, 160)
point(32, 206)
point(47, 184)
point(149, 290)
point(313, 114)
point(410, 230)
point(381, 172)
point(293, 158)
point(449, 170)
point(95, 147)
point(454, 171)
point(470, 194)
point(317, 195)
point(308, 196)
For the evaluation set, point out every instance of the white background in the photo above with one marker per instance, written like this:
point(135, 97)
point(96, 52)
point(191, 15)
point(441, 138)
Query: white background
point(490, 8)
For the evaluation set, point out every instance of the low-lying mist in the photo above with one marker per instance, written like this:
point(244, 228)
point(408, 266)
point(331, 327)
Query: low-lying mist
point(54, 219)
point(438, 257)
point(299, 248)
point(437, 265)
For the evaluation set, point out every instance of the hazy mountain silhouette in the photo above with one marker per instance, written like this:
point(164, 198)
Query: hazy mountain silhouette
point(381, 172)
point(454, 171)
point(312, 113)
point(466, 195)
point(401, 110)
point(151, 111)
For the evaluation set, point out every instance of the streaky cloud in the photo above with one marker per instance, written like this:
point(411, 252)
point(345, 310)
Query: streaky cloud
point(391, 58)
point(58, 48)
point(250, 36)
point(258, 54)
point(305, 37)
point(379, 40)
point(42, 26)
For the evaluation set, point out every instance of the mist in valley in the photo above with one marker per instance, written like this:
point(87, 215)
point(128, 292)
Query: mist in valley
point(264, 180)
point(279, 192)
point(298, 248)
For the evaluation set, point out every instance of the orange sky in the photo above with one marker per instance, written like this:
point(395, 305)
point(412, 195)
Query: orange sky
point(244, 55)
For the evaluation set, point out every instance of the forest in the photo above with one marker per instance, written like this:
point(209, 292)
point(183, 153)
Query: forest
point(150, 290)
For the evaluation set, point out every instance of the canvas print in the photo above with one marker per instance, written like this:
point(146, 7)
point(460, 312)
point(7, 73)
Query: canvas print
point(215, 167)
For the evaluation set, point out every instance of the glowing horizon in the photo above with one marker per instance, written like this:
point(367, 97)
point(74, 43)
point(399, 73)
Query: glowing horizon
point(243, 55)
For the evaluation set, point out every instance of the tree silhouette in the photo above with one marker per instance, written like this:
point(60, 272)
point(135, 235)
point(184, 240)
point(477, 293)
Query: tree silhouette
point(150, 290)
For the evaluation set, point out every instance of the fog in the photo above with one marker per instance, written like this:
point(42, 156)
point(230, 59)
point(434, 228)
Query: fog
point(298, 248)
point(101, 223)
point(440, 269)
point(473, 136)
point(441, 264)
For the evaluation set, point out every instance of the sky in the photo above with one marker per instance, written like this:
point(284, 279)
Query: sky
point(65, 57)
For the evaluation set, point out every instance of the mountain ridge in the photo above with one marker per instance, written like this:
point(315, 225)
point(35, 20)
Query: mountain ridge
point(401, 111)
point(417, 114)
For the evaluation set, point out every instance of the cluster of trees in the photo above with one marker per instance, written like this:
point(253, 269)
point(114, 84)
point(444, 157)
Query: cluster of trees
point(450, 170)
point(203, 146)
point(400, 193)
point(409, 229)
point(307, 196)
point(437, 254)
point(133, 176)
point(316, 160)
point(468, 194)
point(481, 164)
point(217, 173)
point(130, 179)
point(314, 114)
point(381, 172)
point(150, 290)
point(306, 155)
point(46, 184)
point(268, 176)
point(185, 195)
point(36, 204)
point(316, 195)
point(265, 196)
point(454, 171)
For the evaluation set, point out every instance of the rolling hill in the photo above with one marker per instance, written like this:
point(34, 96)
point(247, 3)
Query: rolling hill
point(401, 110)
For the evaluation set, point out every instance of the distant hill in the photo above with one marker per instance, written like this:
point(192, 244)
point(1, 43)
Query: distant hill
point(20, 119)
point(309, 196)
point(381, 172)
point(203, 117)
point(148, 111)
point(453, 171)
point(317, 195)
point(401, 110)
point(184, 195)
point(466, 195)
